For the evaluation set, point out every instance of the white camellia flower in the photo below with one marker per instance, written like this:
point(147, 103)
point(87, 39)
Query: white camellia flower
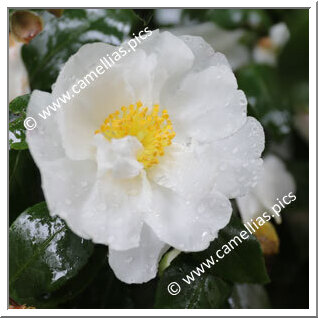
point(148, 155)
point(275, 183)
point(18, 78)
point(268, 48)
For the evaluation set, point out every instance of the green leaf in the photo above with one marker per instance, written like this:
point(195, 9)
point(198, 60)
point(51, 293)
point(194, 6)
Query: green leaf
point(145, 15)
point(249, 296)
point(261, 85)
point(294, 59)
point(24, 183)
point(243, 264)
point(44, 255)
point(61, 38)
point(17, 114)
point(77, 285)
point(206, 291)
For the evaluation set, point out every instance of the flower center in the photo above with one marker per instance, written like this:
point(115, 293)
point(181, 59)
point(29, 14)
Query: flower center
point(154, 131)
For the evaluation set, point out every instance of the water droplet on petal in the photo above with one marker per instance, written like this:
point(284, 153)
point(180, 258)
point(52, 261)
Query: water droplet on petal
point(242, 101)
point(129, 259)
point(204, 236)
point(235, 150)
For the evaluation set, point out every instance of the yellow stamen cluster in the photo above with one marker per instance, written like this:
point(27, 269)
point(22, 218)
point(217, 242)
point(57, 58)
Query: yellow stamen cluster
point(154, 131)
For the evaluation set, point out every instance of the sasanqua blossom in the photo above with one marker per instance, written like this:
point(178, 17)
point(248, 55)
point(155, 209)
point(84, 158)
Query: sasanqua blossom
point(149, 154)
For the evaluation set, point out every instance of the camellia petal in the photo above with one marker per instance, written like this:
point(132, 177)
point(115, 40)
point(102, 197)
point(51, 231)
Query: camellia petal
point(193, 224)
point(209, 99)
point(113, 213)
point(118, 157)
point(140, 264)
point(239, 159)
point(275, 182)
point(45, 141)
point(181, 164)
point(226, 42)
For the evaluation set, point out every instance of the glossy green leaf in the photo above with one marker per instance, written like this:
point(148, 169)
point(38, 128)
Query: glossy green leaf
point(245, 262)
point(263, 89)
point(17, 114)
point(77, 285)
point(24, 183)
point(62, 37)
point(249, 296)
point(206, 291)
point(43, 255)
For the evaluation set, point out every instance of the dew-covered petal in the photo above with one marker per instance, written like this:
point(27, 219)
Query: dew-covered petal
point(113, 212)
point(67, 185)
point(226, 42)
point(249, 206)
point(275, 183)
point(206, 105)
point(140, 264)
point(44, 141)
point(238, 159)
point(205, 55)
point(173, 59)
point(184, 170)
point(187, 225)
point(172, 54)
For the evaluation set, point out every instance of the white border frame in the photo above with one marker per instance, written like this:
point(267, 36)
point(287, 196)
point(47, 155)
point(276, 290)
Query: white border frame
point(312, 163)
